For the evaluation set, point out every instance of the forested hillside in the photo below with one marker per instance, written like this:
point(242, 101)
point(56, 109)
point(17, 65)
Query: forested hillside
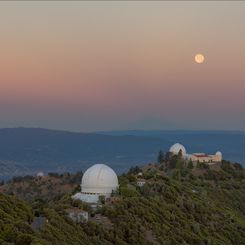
point(179, 204)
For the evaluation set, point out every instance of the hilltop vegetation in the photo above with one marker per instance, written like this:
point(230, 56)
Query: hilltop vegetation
point(179, 204)
point(48, 187)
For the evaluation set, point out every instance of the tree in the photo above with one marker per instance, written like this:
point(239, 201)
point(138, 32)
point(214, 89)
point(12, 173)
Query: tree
point(134, 170)
point(238, 166)
point(160, 157)
point(128, 192)
point(179, 163)
point(168, 155)
point(102, 199)
point(202, 165)
point(23, 239)
point(180, 154)
point(190, 164)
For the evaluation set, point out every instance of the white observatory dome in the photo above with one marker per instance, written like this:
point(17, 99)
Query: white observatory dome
point(99, 179)
point(218, 153)
point(176, 148)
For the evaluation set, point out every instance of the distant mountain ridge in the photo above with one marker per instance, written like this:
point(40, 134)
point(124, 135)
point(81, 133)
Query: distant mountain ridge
point(230, 143)
point(54, 150)
point(157, 132)
point(37, 149)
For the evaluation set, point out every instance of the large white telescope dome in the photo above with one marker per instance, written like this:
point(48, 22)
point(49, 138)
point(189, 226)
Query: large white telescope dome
point(99, 179)
point(176, 148)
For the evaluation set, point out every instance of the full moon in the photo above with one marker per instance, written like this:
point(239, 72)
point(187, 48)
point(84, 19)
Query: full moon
point(199, 58)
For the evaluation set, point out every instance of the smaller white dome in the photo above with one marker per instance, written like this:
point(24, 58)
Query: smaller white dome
point(218, 153)
point(40, 174)
point(176, 148)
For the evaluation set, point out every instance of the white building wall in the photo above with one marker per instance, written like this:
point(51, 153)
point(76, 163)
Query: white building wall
point(89, 198)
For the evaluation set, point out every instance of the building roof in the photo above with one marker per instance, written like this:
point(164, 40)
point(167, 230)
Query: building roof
point(38, 223)
point(200, 155)
point(141, 180)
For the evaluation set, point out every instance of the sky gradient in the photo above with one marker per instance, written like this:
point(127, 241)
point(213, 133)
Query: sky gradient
point(84, 66)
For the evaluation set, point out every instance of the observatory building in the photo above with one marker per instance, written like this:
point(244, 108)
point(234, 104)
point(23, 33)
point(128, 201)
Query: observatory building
point(98, 180)
point(176, 148)
point(195, 157)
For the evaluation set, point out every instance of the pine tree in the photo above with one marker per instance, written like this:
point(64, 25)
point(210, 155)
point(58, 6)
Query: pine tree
point(190, 164)
point(160, 157)
point(180, 154)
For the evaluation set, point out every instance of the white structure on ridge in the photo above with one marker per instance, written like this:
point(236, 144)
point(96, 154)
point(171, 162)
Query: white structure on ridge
point(176, 148)
point(40, 174)
point(98, 180)
point(195, 157)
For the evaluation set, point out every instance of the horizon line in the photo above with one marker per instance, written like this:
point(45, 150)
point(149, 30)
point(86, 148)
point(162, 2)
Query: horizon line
point(126, 130)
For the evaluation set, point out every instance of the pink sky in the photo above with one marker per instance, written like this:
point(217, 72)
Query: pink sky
point(102, 65)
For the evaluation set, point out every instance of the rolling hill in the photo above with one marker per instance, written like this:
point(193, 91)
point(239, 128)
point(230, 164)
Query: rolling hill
point(29, 150)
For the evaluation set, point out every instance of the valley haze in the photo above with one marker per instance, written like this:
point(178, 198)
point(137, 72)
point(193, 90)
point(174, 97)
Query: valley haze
point(30, 150)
